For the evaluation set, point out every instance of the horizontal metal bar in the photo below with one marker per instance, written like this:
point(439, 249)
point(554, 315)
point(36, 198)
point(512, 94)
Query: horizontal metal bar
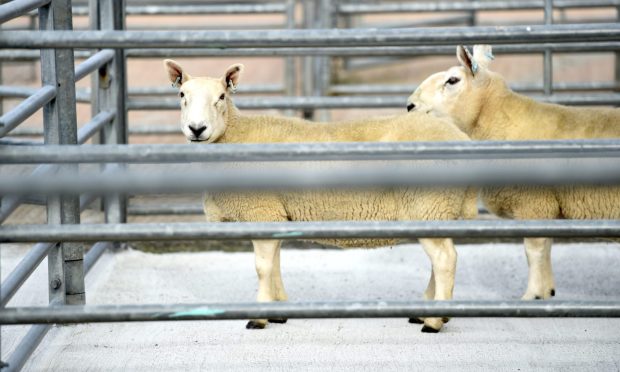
point(18, 8)
point(27, 107)
point(206, 9)
point(19, 142)
point(346, 89)
point(267, 103)
point(312, 230)
point(376, 309)
point(165, 91)
point(156, 153)
point(404, 51)
point(452, 6)
point(30, 262)
point(18, 55)
point(149, 210)
point(35, 334)
point(81, 95)
point(344, 38)
point(286, 176)
point(93, 63)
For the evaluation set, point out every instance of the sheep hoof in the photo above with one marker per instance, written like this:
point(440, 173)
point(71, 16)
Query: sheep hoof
point(552, 292)
point(278, 320)
point(416, 321)
point(254, 325)
point(537, 298)
point(427, 329)
point(445, 320)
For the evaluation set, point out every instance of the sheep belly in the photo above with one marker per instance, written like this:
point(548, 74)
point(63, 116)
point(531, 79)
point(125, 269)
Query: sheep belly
point(371, 205)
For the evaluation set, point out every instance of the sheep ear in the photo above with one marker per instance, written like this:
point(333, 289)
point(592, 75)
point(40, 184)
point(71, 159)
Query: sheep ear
point(465, 57)
point(231, 77)
point(483, 55)
point(175, 73)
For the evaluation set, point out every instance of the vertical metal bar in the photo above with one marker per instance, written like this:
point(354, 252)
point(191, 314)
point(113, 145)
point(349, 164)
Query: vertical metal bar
point(472, 17)
point(327, 21)
point(65, 263)
point(548, 58)
point(618, 56)
point(112, 96)
point(289, 73)
point(308, 62)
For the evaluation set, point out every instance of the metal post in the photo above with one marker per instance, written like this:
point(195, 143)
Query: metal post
point(325, 20)
point(618, 57)
point(290, 76)
point(308, 62)
point(65, 264)
point(548, 58)
point(112, 88)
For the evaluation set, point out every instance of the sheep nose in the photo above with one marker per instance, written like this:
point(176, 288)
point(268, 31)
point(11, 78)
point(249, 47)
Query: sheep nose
point(410, 107)
point(197, 131)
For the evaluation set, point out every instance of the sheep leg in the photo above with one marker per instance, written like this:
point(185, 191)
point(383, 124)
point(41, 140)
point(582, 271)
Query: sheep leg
point(443, 260)
point(540, 283)
point(429, 294)
point(277, 287)
point(264, 255)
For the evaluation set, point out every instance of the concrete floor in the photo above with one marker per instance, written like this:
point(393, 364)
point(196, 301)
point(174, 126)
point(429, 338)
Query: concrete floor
point(493, 271)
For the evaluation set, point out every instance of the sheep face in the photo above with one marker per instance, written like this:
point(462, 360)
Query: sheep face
point(204, 101)
point(457, 93)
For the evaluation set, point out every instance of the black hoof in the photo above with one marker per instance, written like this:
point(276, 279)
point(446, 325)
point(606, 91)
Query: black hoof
point(553, 293)
point(537, 298)
point(427, 329)
point(416, 321)
point(279, 320)
point(254, 325)
point(445, 320)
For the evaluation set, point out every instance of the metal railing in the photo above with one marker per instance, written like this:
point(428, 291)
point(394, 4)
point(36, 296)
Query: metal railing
point(108, 127)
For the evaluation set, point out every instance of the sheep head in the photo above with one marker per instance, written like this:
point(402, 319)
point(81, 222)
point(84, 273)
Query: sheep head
point(457, 93)
point(204, 101)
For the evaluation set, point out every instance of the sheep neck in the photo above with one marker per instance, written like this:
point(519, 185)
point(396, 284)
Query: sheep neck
point(264, 128)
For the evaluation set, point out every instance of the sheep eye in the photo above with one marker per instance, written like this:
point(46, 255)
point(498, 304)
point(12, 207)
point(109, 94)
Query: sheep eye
point(222, 96)
point(453, 80)
point(181, 94)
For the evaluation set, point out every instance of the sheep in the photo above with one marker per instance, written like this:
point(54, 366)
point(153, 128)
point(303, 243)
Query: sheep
point(208, 115)
point(479, 102)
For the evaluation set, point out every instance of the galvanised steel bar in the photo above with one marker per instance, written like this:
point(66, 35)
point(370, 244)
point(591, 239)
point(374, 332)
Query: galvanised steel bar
point(569, 47)
point(547, 56)
point(81, 95)
point(93, 63)
point(112, 95)
point(36, 333)
point(18, 55)
point(183, 153)
point(10, 203)
point(207, 9)
point(174, 209)
point(65, 264)
point(344, 38)
point(19, 142)
point(295, 310)
point(267, 103)
point(26, 108)
point(311, 230)
point(286, 176)
point(452, 6)
point(30, 262)
point(581, 47)
point(169, 91)
point(18, 8)
point(348, 89)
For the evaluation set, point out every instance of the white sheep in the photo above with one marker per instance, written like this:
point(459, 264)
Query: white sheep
point(479, 101)
point(208, 115)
